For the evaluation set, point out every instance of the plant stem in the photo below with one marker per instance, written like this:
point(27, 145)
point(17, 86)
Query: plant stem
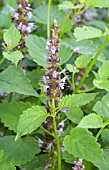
point(47, 132)
point(66, 18)
point(9, 15)
point(100, 131)
point(69, 23)
point(73, 81)
point(88, 90)
point(48, 19)
point(2, 60)
point(56, 134)
point(58, 143)
point(89, 68)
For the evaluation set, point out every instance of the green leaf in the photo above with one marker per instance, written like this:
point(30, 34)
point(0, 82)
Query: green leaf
point(75, 114)
point(30, 120)
point(71, 68)
point(91, 121)
point(105, 99)
point(76, 100)
point(40, 14)
point(105, 136)
point(15, 56)
point(12, 37)
point(13, 79)
point(10, 113)
point(39, 162)
point(103, 71)
point(102, 84)
point(19, 152)
point(69, 5)
point(68, 157)
point(100, 3)
point(65, 54)
point(4, 17)
point(83, 61)
point(1, 154)
point(7, 166)
point(36, 47)
point(82, 33)
point(82, 144)
point(102, 107)
point(35, 78)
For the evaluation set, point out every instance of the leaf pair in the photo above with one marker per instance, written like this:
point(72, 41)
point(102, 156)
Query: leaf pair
point(12, 38)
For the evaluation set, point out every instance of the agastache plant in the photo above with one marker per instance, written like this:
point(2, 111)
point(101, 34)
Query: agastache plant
point(53, 82)
point(53, 85)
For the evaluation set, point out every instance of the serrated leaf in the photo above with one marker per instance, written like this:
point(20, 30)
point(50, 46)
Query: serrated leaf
point(13, 79)
point(76, 100)
point(69, 5)
point(75, 114)
point(103, 71)
point(36, 47)
point(102, 107)
point(100, 3)
point(10, 113)
point(19, 152)
point(82, 144)
point(68, 157)
point(85, 32)
point(30, 120)
point(15, 56)
point(12, 37)
point(102, 84)
point(91, 121)
point(83, 61)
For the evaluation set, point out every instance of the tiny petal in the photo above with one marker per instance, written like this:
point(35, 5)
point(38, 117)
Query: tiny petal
point(45, 88)
point(48, 58)
point(55, 74)
point(19, 6)
point(61, 84)
point(44, 79)
point(60, 131)
point(64, 110)
point(10, 9)
point(53, 50)
point(76, 49)
point(49, 42)
point(29, 14)
point(24, 28)
point(63, 71)
point(16, 15)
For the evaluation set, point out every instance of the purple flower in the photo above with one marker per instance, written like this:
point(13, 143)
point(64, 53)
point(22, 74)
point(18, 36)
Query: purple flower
point(16, 15)
point(64, 110)
point(29, 14)
point(11, 10)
